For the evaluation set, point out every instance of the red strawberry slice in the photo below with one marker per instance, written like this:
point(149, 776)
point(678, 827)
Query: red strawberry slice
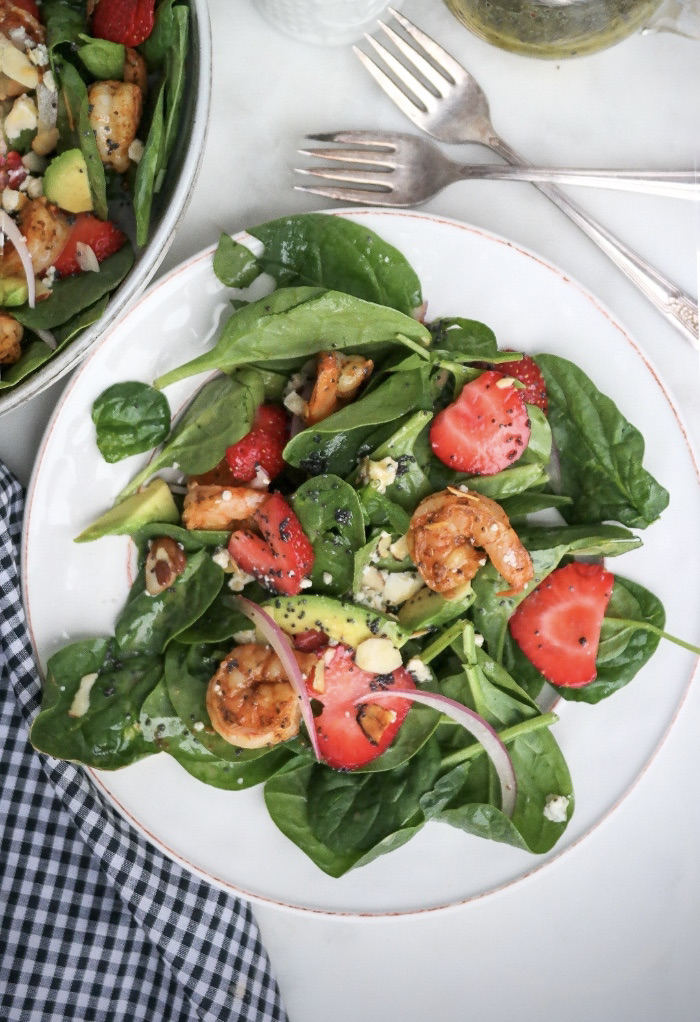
point(527, 372)
point(279, 559)
point(486, 429)
point(124, 21)
point(557, 626)
point(262, 447)
point(102, 236)
point(349, 736)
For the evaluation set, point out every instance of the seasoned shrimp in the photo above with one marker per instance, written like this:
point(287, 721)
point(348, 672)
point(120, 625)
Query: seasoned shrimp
point(115, 112)
point(250, 702)
point(220, 507)
point(338, 379)
point(46, 229)
point(135, 70)
point(451, 531)
point(10, 337)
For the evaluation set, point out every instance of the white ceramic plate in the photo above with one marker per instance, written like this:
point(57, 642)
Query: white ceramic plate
point(73, 591)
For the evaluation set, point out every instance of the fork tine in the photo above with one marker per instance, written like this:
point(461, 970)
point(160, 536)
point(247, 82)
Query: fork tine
point(355, 197)
point(447, 62)
point(426, 98)
point(371, 158)
point(431, 74)
point(407, 106)
point(376, 178)
point(379, 139)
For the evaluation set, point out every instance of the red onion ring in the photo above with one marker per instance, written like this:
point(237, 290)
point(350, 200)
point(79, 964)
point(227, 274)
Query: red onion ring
point(283, 648)
point(471, 722)
point(12, 231)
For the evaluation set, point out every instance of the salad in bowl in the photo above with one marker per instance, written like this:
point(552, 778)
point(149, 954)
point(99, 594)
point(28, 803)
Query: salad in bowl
point(95, 121)
point(369, 556)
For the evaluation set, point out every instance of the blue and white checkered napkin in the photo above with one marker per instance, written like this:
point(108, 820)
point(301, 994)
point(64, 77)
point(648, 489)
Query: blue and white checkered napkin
point(95, 924)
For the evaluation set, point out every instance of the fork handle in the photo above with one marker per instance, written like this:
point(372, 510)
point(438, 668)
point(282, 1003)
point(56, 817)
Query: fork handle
point(675, 304)
point(673, 184)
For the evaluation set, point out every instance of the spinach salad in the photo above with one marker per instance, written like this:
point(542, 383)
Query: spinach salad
point(90, 103)
point(370, 550)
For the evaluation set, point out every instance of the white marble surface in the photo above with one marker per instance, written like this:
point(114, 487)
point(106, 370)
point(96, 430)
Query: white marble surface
point(610, 930)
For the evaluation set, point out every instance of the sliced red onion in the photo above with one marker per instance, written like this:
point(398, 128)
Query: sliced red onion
point(471, 722)
point(12, 231)
point(283, 648)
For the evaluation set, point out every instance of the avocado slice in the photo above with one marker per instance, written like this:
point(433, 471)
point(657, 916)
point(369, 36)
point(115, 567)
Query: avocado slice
point(66, 182)
point(13, 291)
point(341, 620)
point(153, 504)
point(428, 609)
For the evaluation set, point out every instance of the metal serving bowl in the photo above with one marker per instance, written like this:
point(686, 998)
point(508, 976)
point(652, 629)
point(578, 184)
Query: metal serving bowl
point(168, 209)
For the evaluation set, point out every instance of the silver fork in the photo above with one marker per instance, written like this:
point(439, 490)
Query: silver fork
point(393, 168)
point(452, 107)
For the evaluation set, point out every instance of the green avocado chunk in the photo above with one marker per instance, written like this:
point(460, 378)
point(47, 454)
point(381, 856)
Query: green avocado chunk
point(341, 620)
point(13, 291)
point(66, 182)
point(153, 504)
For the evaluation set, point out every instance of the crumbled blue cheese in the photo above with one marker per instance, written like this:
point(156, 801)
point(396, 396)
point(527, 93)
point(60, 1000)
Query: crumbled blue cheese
point(295, 404)
point(378, 474)
point(327, 578)
point(419, 671)
point(81, 700)
point(556, 808)
point(381, 589)
point(239, 578)
point(22, 117)
point(222, 557)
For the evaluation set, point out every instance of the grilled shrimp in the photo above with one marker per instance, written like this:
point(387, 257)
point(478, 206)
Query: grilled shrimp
point(338, 379)
point(46, 229)
point(115, 112)
point(250, 702)
point(10, 336)
point(135, 70)
point(451, 531)
point(219, 507)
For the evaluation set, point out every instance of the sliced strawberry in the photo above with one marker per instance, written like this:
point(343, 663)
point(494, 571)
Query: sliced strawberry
point(279, 559)
point(557, 626)
point(129, 22)
point(485, 430)
point(262, 447)
point(102, 236)
point(350, 737)
point(527, 372)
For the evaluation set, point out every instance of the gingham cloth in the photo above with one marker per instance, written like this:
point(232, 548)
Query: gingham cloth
point(95, 924)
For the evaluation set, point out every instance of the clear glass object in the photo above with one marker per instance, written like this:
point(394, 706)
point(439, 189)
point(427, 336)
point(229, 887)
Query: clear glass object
point(570, 28)
point(330, 22)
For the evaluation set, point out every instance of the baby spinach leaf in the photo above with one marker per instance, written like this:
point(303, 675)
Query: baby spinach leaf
point(145, 178)
point(188, 670)
point(130, 417)
point(92, 703)
point(330, 515)
point(33, 356)
point(410, 449)
point(321, 250)
point(220, 621)
point(163, 728)
point(353, 812)
point(298, 322)
point(102, 58)
point(72, 295)
point(220, 414)
point(148, 623)
point(234, 264)
point(507, 482)
point(379, 510)
point(189, 539)
point(65, 21)
point(174, 80)
point(600, 452)
point(333, 444)
point(464, 338)
point(76, 97)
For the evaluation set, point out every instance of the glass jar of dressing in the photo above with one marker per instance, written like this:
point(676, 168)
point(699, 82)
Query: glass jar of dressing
point(570, 28)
